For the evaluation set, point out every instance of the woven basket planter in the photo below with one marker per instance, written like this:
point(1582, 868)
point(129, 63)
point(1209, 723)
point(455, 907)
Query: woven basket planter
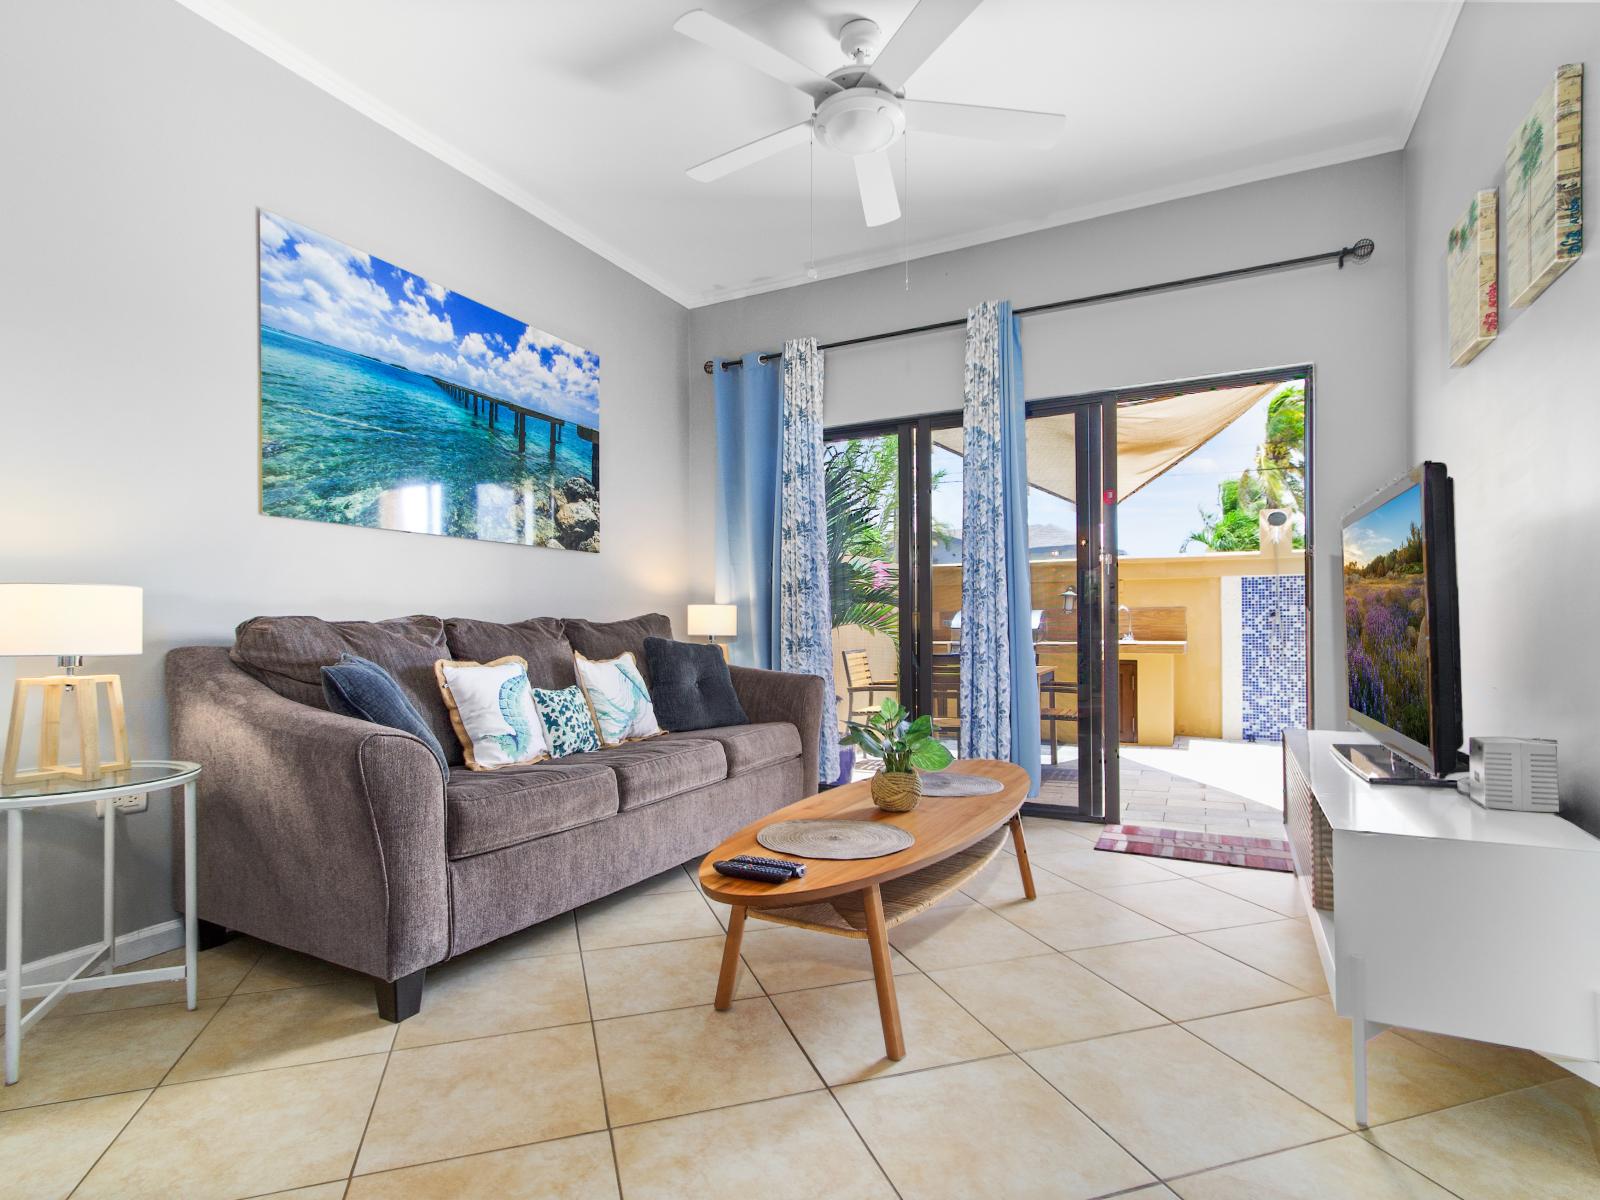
point(896, 791)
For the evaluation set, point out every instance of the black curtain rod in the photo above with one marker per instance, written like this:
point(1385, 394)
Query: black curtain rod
point(1358, 252)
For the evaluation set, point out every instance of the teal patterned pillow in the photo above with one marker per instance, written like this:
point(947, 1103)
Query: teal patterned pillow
point(568, 724)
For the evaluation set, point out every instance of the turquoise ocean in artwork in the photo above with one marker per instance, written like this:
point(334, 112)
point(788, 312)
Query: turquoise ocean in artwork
point(350, 439)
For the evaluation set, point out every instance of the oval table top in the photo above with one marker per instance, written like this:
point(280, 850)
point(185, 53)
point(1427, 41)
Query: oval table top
point(941, 825)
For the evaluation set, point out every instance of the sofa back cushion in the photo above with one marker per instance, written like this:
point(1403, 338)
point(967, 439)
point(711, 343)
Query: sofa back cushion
point(288, 654)
point(539, 641)
point(610, 639)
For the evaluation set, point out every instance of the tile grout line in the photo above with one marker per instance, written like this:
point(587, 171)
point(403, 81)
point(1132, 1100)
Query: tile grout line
point(599, 1066)
point(826, 1086)
point(176, 1060)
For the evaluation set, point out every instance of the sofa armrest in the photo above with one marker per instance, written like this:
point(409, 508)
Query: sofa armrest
point(786, 696)
point(315, 831)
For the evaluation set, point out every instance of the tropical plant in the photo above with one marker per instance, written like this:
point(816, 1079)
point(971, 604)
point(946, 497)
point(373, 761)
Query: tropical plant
point(901, 743)
point(1277, 480)
point(862, 500)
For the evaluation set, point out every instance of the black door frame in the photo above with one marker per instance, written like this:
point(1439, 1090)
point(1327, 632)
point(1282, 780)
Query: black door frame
point(916, 600)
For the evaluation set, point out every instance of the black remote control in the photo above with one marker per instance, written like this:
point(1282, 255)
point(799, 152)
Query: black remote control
point(794, 868)
point(742, 870)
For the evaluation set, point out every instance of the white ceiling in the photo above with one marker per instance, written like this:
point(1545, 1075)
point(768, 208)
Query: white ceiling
point(587, 112)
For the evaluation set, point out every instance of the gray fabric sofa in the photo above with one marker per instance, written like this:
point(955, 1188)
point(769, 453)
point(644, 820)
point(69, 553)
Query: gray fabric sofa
point(343, 840)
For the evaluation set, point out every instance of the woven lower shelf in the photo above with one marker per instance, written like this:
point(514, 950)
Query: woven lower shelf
point(903, 898)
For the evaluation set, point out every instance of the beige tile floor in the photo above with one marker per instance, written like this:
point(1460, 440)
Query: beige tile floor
point(1133, 1032)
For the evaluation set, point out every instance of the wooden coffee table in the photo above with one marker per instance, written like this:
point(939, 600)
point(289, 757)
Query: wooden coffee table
point(956, 837)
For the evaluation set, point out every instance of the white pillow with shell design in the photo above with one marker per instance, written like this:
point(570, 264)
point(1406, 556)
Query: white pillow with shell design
point(618, 697)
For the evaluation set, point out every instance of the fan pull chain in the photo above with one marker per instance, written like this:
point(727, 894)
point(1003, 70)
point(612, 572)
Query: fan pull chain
point(811, 246)
point(905, 224)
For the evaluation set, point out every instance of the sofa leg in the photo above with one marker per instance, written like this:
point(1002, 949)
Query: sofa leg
point(400, 998)
point(210, 935)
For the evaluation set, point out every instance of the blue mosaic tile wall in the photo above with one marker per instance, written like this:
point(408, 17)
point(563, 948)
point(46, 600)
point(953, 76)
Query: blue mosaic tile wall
point(1273, 634)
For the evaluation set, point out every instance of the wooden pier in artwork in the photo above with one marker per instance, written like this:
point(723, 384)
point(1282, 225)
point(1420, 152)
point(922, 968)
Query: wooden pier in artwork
point(481, 404)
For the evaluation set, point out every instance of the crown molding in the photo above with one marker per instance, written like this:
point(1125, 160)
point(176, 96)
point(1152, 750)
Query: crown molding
point(262, 40)
point(232, 22)
point(877, 259)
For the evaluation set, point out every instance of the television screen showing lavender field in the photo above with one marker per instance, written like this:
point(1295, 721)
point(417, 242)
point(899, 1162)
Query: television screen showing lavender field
point(1386, 616)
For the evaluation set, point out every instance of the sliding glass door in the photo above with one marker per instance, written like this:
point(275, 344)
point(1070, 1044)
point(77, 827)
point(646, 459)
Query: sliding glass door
point(1072, 485)
point(894, 515)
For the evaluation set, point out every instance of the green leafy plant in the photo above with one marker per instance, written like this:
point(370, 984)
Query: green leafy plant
point(891, 735)
point(1278, 480)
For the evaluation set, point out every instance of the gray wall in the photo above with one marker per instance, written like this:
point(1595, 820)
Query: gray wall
point(137, 144)
point(1518, 426)
point(1349, 324)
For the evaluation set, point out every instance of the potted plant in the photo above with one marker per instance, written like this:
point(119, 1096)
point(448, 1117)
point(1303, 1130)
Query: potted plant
point(902, 744)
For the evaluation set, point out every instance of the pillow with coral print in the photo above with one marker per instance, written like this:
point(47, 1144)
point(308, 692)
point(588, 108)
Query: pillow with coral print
point(491, 708)
point(618, 698)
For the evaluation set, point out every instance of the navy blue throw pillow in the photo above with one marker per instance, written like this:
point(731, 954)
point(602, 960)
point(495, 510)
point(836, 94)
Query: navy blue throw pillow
point(690, 687)
point(357, 687)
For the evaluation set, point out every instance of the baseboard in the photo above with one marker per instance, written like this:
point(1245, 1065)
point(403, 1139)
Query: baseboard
point(130, 947)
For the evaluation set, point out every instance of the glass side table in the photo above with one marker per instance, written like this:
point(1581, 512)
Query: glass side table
point(138, 778)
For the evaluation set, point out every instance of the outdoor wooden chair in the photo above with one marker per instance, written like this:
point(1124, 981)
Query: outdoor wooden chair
point(859, 680)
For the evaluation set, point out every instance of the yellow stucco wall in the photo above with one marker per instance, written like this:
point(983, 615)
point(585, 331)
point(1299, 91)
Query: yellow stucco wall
point(1188, 685)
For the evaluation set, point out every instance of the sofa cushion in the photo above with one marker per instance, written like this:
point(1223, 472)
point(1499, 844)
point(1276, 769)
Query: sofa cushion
point(749, 747)
point(690, 686)
point(288, 654)
point(492, 811)
point(357, 687)
point(608, 639)
point(538, 641)
point(662, 767)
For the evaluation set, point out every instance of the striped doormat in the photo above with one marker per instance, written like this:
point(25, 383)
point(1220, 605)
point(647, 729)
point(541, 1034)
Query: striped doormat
point(1224, 849)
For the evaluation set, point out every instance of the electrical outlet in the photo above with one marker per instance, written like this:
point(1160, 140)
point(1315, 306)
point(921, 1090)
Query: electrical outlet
point(126, 806)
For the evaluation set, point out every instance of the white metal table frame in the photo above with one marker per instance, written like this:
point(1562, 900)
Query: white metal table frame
point(179, 774)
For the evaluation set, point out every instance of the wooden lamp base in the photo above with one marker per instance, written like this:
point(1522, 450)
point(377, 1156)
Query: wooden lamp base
point(85, 690)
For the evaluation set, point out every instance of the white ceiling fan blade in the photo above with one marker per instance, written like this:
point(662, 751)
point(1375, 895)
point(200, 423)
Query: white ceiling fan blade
point(736, 43)
point(879, 201)
point(1015, 126)
point(922, 32)
point(751, 152)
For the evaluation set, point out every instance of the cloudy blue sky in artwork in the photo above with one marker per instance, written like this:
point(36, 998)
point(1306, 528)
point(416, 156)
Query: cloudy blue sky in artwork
point(320, 288)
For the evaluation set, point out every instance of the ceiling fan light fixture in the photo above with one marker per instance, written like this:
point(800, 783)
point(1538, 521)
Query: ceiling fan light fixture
point(860, 121)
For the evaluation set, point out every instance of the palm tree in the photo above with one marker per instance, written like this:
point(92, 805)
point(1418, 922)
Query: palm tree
point(1278, 480)
point(861, 483)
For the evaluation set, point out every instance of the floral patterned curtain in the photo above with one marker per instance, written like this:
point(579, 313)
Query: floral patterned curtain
point(805, 613)
point(999, 693)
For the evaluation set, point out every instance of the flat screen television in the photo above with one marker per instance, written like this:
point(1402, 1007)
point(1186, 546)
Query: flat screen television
point(1402, 633)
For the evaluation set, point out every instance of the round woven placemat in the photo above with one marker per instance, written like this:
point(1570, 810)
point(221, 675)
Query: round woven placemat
point(954, 783)
point(834, 839)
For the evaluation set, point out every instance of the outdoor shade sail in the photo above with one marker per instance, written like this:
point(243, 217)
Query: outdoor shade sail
point(1153, 436)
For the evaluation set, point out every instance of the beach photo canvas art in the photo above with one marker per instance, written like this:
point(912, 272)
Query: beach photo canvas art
point(392, 402)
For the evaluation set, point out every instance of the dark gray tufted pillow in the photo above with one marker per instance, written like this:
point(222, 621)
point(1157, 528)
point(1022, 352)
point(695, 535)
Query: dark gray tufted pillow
point(690, 686)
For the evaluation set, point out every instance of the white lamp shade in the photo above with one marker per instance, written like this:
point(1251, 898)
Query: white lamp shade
point(713, 620)
point(90, 619)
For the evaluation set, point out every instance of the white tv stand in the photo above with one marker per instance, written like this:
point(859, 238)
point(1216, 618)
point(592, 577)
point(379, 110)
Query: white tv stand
point(1447, 917)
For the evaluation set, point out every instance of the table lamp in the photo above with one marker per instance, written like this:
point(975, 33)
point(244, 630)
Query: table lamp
point(69, 620)
point(712, 621)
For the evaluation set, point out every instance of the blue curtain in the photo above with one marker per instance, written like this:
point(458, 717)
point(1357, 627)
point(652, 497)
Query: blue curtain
point(749, 402)
point(999, 685)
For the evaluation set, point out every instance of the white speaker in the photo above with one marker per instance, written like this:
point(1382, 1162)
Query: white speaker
point(1518, 774)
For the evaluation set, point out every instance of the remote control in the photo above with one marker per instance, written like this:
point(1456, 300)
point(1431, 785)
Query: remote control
point(740, 870)
point(794, 868)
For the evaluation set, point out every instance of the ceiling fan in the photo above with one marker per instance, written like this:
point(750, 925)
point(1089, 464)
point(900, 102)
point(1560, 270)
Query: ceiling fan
point(861, 110)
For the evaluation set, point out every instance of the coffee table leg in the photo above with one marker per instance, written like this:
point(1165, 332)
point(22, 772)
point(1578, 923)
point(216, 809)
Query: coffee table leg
point(894, 1042)
point(730, 958)
point(1020, 845)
